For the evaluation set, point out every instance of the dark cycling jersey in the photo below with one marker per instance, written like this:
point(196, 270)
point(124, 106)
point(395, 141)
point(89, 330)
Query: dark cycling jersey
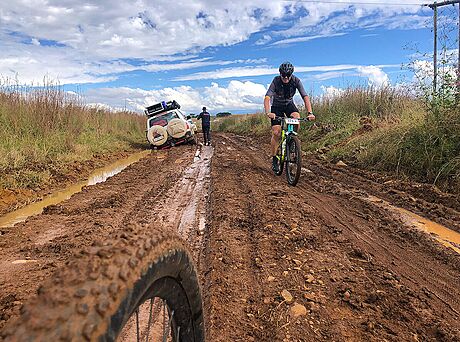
point(283, 93)
point(205, 118)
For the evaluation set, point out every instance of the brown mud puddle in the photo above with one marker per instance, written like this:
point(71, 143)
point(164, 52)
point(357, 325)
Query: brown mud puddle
point(97, 176)
point(444, 235)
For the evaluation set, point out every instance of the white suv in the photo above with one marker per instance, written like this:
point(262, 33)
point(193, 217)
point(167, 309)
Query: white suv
point(167, 125)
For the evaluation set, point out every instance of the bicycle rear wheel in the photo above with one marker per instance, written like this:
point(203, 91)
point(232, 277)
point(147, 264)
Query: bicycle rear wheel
point(100, 295)
point(293, 160)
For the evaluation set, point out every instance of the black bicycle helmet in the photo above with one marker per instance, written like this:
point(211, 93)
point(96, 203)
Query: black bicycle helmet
point(204, 109)
point(286, 68)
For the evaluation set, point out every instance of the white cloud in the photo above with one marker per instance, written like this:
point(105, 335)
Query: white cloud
point(339, 70)
point(304, 39)
point(377, 77)
point(325, 19)
point(236, 96)
point(331, 91)
point(95, 41)
point(70, 66)
point(229, 73)
point(140, 29)
point(264, 40)
point(423, 72)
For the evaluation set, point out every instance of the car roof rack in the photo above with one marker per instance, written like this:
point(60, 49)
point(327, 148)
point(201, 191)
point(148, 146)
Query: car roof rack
point(161, 107)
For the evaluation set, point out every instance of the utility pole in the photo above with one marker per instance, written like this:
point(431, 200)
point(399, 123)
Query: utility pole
point(435, 53)
point(434, 7)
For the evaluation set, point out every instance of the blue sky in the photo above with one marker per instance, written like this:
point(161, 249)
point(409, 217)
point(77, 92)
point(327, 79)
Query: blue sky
point(222, 55)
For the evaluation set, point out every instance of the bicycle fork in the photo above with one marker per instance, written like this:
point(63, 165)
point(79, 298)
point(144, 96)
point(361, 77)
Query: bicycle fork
point(282, 146)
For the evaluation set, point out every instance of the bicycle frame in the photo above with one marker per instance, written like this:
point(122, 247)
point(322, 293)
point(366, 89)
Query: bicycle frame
point(287, 129)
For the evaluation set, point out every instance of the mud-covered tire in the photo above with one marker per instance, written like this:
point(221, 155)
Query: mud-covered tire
point(193, 140)
point(293, 160)
point(91, 299)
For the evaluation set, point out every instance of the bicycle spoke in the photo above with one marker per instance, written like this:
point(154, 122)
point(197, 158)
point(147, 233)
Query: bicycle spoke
point(150, 320)
point(177, 335)
point(165, 336)
point(164, 319)
point(137, 325)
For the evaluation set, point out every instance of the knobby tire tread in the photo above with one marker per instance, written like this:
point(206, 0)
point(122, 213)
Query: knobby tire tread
point(293, 140)
point(92, 297)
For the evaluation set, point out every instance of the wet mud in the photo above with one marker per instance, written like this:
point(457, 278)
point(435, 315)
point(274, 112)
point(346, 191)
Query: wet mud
point(58, 235)
point(97, 176)
point(319, 261)
point(315, 262)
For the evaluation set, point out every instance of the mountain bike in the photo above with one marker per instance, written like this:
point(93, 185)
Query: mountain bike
point(140, 288)
point(289, 153)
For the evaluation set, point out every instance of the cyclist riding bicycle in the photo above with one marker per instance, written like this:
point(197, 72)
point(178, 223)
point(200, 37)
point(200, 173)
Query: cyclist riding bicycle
point(282, 90)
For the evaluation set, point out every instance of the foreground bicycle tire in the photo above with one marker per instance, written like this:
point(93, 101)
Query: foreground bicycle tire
point(93, 298)
point(293, 160)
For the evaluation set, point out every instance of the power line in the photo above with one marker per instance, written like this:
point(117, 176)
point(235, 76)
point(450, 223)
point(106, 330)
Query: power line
point(356, 3)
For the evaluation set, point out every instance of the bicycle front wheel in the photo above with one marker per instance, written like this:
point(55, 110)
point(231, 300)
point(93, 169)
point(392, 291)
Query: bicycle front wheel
point(139, 288)
point(293, 160)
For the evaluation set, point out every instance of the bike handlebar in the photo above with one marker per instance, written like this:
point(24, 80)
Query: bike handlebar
point(282, 118)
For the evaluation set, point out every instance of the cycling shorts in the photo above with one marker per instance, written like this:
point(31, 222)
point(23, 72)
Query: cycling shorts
point(281, 110)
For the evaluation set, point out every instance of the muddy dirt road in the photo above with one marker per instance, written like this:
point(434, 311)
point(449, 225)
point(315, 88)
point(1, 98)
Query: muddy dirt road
point(330, 259)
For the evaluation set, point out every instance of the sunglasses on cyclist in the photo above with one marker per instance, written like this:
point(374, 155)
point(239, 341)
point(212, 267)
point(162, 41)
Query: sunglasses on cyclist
point(283, 75)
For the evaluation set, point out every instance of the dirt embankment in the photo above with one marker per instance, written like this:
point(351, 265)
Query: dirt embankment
point(277, 263)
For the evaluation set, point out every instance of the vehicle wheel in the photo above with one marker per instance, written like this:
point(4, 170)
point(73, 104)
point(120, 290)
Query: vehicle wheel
point(293, 160)
point(104, 294)
point(193, 140)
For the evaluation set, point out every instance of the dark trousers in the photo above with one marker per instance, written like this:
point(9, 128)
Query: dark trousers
point(206, 134)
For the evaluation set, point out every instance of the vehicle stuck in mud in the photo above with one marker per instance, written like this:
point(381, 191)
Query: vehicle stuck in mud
point(168, 126)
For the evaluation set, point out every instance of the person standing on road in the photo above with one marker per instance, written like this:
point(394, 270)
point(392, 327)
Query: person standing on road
point(206, 125)
point(282, 90)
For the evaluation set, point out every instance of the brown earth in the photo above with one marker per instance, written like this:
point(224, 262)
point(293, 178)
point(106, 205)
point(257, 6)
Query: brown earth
point(277, 263)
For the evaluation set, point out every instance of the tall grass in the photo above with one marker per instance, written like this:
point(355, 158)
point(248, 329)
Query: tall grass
point(344, 115)
point(425, 147)
point(255, 124)
point(384, 129)
point(42, 129)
